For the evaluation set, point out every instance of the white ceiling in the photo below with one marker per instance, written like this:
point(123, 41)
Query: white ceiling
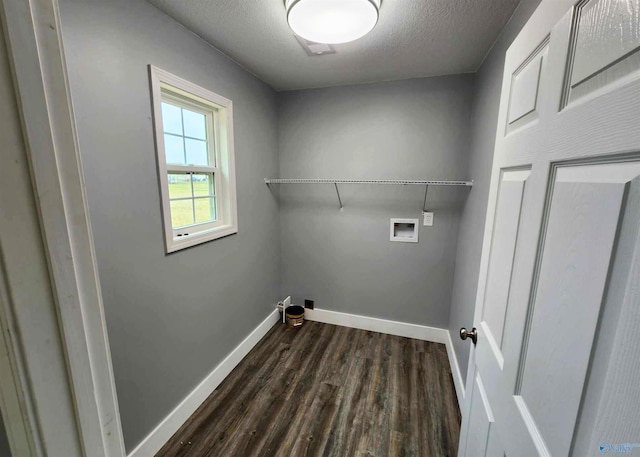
point(413, 38)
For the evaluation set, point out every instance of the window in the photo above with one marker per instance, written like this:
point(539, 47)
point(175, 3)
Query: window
point(194, 147)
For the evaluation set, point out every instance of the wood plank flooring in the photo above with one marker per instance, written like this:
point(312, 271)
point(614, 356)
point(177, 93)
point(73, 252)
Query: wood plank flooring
point(329, 391)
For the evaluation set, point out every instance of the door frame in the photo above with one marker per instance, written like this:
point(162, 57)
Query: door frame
point(35, 51)
point(14, 400)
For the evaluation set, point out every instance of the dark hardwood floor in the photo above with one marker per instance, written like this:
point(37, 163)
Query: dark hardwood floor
point(323, 390)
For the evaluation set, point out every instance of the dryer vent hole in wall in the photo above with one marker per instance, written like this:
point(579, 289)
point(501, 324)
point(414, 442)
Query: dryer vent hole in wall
point(404, 230)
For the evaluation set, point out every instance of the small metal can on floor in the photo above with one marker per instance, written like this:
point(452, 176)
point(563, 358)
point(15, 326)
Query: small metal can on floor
point(295, 316)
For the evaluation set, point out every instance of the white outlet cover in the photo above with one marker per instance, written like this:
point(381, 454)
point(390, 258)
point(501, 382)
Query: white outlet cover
point(427, 219)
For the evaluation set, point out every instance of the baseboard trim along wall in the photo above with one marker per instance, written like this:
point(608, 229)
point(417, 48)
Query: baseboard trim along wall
point(458, 382)
point(419, 332)
point(165, 430)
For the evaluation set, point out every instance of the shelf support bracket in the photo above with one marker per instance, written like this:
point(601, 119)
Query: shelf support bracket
point(338, 193)
point(424, 204)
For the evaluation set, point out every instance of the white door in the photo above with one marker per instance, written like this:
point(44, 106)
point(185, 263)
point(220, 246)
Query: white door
point(556, 369)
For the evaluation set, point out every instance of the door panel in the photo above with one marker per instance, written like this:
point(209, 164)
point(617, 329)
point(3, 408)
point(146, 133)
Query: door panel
point(505, 233)
point(495, 448)
point(609, 414)
point(583, 220)
point(525, 88)
point(524, 95)
point(481, 418)
point(606, 44)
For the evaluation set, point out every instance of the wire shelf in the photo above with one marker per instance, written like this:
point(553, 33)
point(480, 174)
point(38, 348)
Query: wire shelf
point(368, 181)
point(401, 182)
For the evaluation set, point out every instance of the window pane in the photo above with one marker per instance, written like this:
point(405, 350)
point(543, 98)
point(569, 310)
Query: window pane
point(179, 185)
point(194, 124)
point(205, 209)
point(174, 148)
point(203, 184)
point(181, 213)
point(171, 119)
point(196, 152)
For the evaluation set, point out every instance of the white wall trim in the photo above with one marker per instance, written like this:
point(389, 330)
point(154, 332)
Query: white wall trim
point(374, 324)
point(419, 332)
point(165, 430)
point(458, 381)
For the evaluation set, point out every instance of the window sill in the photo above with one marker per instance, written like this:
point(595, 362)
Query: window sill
point(204, 236)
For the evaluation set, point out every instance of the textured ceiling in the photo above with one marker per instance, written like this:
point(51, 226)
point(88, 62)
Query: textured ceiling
point(413, 38)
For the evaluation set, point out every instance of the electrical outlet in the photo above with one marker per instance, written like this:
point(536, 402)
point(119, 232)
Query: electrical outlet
point(309, 304)
point(428, 219)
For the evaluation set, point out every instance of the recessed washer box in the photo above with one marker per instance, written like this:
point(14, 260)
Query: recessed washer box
point(404, 230)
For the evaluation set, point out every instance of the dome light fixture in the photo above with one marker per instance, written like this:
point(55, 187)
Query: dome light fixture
point(332, 21)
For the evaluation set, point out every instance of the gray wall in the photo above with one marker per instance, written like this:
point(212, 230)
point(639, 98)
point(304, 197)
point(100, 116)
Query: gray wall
point(414, 129)
point(483, 134)
point(171, 319)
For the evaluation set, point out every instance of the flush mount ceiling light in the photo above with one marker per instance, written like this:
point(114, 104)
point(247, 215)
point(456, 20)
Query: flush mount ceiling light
point(332, 21)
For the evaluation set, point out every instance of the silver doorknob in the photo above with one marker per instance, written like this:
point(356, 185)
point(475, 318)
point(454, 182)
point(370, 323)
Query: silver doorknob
point(473, 334)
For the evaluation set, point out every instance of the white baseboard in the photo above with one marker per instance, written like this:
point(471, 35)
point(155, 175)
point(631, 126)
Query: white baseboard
point(373, 324)
point(458, 382)
point(165, 430)
point(419, 332)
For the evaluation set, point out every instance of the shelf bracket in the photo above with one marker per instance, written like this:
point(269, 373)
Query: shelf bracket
point(338, 192)
point(424, 204)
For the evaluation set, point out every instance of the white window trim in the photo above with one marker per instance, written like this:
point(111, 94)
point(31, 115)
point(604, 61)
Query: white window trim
point(224, 169)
